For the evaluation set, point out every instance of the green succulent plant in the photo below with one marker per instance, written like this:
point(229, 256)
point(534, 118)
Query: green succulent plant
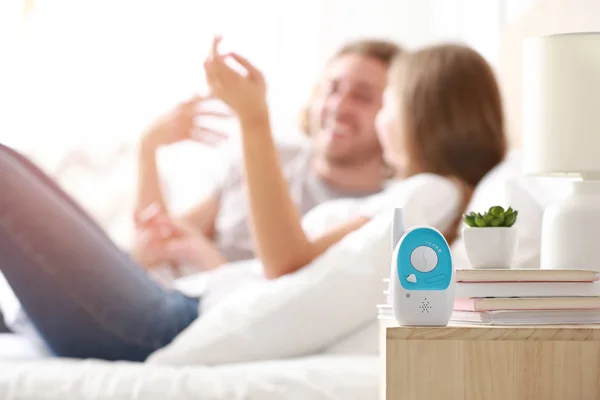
point(496, 216)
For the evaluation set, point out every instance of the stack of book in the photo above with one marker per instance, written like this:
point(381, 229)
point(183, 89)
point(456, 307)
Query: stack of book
point(527, 296)
point(522, 297)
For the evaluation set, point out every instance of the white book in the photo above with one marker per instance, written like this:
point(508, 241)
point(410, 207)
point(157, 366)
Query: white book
point(509, 317)
point(526, 275)
point(527, 289)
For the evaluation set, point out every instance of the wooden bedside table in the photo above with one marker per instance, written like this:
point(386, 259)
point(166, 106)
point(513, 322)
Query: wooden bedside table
point(492, 362)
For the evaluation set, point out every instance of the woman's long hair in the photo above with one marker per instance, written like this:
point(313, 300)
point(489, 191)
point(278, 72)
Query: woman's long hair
point(451, 115)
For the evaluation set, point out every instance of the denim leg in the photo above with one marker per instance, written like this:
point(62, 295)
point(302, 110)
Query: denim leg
point(85, 296)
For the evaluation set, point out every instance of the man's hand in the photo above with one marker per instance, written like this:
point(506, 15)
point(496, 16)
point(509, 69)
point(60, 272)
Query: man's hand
point(164, 240)
point(179, 124)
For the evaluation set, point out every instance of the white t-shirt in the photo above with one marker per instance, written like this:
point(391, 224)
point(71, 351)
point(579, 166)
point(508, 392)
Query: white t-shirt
point(426, 199)
point(307, 190)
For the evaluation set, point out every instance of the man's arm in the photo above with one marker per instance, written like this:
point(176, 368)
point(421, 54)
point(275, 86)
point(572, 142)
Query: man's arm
point(149, 192)
point(200, 218)
point(281, 243)
point(175, 126)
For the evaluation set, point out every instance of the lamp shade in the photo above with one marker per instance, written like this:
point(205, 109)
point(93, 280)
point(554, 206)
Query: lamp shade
point(561, 105)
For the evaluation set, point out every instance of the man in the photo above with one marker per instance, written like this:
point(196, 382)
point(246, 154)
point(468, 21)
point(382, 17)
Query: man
point(344, 160)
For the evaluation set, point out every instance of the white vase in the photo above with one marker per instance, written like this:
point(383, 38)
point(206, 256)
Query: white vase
point(490, 247)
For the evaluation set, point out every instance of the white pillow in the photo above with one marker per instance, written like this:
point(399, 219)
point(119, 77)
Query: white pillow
point(310, 310)
point(435, 199)
point(363, 341)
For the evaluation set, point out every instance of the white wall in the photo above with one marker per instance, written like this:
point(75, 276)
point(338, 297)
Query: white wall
point(542, 17)
point(119, 63)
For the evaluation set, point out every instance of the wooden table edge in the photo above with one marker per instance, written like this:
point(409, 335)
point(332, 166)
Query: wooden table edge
point(495, 332)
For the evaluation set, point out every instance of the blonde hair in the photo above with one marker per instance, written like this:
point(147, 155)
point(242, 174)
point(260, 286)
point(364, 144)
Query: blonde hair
point(382, 50)
point(451, 112)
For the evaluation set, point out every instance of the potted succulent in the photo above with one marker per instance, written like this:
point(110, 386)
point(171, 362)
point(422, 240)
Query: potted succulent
point(490, 239)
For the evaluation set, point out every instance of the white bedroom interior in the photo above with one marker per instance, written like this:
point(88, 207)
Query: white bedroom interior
point(80, 80)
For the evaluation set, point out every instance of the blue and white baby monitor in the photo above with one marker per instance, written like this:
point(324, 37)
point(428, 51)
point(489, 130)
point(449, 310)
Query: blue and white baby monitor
point(422, 278)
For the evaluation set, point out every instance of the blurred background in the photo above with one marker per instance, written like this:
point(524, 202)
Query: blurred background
point(81, 79)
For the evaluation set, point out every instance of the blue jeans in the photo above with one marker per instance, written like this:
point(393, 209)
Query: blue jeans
point(86, 297)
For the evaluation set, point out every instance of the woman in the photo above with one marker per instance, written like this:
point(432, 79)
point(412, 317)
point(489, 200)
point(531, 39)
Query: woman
point(89, 300)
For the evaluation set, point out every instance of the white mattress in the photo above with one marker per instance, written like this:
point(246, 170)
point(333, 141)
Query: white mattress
point(313, 378)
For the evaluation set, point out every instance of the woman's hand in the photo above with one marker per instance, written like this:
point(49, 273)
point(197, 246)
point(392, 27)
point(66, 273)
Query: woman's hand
point(245, 95)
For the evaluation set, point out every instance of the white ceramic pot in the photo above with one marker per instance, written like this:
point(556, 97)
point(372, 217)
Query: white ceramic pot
point(490, 247)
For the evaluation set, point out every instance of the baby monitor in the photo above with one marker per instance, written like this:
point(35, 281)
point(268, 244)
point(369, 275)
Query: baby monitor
point(422, 282)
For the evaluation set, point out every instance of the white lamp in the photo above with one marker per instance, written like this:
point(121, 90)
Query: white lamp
point(561, 137)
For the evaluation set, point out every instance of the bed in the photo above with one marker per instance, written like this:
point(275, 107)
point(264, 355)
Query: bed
point(27, 372)
point(316, 378)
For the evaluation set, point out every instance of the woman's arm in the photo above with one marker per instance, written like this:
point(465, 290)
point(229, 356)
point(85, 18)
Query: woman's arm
point(281, 243)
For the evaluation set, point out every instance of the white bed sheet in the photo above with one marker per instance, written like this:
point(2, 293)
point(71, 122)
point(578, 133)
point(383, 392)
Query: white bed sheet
point(18, 347)
point(311, 378)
